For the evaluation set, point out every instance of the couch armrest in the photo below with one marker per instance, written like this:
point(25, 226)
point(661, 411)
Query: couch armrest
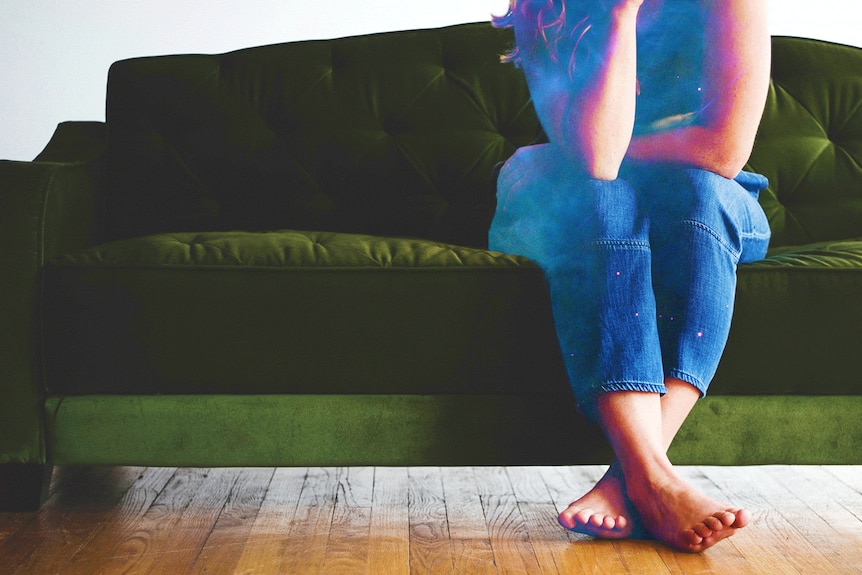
point(47, 207)
point(73, 200)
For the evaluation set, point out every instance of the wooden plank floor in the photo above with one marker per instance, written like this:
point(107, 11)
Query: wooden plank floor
point(380, 521)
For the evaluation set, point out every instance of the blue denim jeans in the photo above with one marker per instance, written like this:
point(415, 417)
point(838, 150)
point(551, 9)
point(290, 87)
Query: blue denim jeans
point(641, 270)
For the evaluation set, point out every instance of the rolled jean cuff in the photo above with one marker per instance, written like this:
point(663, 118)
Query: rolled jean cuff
point(643, 386)
point(690, 379)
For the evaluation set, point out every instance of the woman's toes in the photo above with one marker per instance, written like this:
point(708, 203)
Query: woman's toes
point(704, 530)
point(728, 518)
point(602, 511)
point(741, 518)
point(583, 516)
point(715, 524)
point(571, 518)
point(691, 538)
point(603, 522)
point(590, 522)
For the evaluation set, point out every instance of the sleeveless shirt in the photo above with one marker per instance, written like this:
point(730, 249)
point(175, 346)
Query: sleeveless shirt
point(669, 66)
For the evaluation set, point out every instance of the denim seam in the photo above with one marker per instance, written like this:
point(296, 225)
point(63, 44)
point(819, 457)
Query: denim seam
point(703, 227)
point(625, 244)
point(756, 235)
point(645, 386)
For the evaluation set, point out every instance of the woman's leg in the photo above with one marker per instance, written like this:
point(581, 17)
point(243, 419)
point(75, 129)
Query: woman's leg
point(670, 509)
point(701, 226)
point(709, 220)
point(591, 239)
point(606, 511)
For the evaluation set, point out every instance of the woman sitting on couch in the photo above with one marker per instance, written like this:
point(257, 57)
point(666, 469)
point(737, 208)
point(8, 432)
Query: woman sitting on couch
point(638, 212)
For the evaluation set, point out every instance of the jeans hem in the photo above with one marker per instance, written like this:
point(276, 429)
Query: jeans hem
point(643, 386)
point(690, 379)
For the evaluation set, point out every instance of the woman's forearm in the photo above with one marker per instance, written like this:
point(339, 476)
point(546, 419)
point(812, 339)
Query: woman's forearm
point(593, 123)
point(599, 124)
point(696, 146)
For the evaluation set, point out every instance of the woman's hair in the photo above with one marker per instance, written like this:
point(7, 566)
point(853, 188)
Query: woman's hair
point(551, 28)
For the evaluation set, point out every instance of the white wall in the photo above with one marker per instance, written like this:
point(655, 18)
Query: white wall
point(54, 54)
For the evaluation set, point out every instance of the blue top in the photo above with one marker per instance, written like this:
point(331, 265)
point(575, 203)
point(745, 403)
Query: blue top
point(669, 66)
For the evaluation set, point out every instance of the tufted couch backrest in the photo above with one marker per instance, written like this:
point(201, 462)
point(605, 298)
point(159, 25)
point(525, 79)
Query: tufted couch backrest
point(394, 133)
point(809, 143)
point(398, 134)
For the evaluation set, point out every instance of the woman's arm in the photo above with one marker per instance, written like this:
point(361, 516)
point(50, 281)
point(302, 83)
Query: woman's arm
point(736, 80)
point(590, 113)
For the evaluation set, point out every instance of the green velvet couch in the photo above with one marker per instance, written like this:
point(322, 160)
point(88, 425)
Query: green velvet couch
point(277, 256)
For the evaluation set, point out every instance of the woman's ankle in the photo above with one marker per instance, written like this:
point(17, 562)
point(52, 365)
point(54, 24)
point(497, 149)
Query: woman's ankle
point(644, 478)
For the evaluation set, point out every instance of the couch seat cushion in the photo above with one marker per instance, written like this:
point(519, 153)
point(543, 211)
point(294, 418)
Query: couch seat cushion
point(296, 312)
point(819, 256)
point(286, 249)
point(797, 327)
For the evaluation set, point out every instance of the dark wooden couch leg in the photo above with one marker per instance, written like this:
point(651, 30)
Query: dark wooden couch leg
point(24, 486)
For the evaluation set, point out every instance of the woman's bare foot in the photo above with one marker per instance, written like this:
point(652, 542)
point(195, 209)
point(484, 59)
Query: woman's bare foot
point(640, 427)
point(605, 511)
point(679, 515)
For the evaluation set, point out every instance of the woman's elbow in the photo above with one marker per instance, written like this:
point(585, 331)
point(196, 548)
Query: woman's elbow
point(607, 172)
point(726, 151)
point(601, 164)
point(728, 163)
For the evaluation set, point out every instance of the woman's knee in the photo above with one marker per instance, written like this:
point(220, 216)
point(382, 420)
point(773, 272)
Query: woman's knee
point(699, 200)
point(686, 192)
point(539, 191)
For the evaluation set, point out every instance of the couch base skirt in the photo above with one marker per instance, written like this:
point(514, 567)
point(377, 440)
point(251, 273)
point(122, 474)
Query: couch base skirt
point(414, 430)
